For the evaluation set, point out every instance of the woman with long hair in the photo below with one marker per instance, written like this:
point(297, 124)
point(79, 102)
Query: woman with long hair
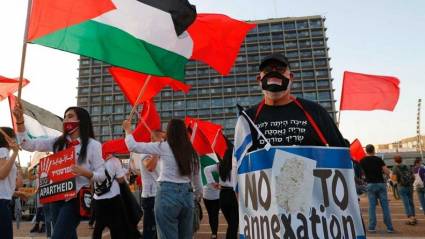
point(226, 169)
point(179, 166)
point(78, 133)
point(8, 176)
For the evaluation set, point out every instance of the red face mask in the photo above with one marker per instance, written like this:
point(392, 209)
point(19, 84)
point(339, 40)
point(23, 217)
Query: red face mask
point(70, 127)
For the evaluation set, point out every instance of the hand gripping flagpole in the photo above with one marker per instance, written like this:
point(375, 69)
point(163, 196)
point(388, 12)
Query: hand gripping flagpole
point(24, 49)
point(133, 110)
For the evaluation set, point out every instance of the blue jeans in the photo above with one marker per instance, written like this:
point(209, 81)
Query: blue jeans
point(149, 226)
point(6, 228)
point(375, 192)
point(406, 194)
point(174, 210)
point(65, 219)
point(421, 196)
point(48, 219)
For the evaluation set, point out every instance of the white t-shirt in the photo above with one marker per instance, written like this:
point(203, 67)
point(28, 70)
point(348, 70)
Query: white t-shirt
point(148, 178)
point(115, 170)
point(8, 184)
point(211, 193)
point(169, 171)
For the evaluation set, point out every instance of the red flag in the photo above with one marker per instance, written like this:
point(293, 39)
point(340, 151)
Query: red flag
point(116, 146)
point(131, 83)
point(9, 86)
point(356, 150)
point(206, 137)
point(217, 40)
point(369, 92)
point(199, 141)
point(149, 120)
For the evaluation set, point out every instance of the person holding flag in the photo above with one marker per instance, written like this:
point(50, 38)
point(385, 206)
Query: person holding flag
point(78, 133)
point(8, 180)
point(179, 179)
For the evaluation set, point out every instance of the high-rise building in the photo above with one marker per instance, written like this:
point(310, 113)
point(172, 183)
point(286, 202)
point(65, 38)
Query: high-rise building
point(214, 97)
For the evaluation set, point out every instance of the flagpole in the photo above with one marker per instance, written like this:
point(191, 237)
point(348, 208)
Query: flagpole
point(340, 102)
point(139, 96)
point(24, 49)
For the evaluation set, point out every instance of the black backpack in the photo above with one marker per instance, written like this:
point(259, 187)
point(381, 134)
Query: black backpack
point(405, 176)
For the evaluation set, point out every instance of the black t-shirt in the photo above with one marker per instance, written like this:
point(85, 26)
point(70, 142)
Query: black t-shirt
point(372, 167)
point(288, 125)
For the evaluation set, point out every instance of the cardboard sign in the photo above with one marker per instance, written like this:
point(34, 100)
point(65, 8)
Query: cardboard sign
point(57, 182)
point(298, 192)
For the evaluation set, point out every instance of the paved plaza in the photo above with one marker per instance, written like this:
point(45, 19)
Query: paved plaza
point(397, 211)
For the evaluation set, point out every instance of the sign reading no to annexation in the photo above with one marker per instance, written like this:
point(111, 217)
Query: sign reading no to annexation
point(298, 192)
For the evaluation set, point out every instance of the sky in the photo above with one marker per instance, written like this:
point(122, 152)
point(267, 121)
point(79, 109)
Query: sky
point(382, 37)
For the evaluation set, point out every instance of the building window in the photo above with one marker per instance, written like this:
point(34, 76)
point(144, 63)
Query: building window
point(303, 34)
point(96, 80)
point(289, 25)
point(96, 99)
point(166, 105)
point(95, 109)
point(316, 43)
point(321, 73)
point(324, 95)
point(309, 85)
point(263, 28)
point(323, 83)
point(84, 71)
point(310, 96)
point(95, 90)
point(84, 90)
point(302, 25)
point(107, 109)
point(85, 62)
point(83, 99)
point(307, 74)
point(179, 104)
point(107, 89)
point(118, 117)
point(119, 109)
point(107, 98)
point(316, 23)
point(319, 52)
point(107, 79)
point(277, 36)
point(118, 98)
point(276, 27)
point(97, 70)
point(316, 33)
point(306, 64)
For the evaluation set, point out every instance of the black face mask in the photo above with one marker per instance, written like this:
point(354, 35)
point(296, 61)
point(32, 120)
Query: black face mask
point(273, 87)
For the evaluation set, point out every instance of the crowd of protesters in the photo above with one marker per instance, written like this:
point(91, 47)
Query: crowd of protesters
point(171, 173)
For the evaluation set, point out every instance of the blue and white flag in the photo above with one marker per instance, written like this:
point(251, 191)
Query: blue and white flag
point(298, 192)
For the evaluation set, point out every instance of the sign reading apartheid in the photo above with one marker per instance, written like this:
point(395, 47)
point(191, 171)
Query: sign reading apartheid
point(57, 182)
point(298, 192)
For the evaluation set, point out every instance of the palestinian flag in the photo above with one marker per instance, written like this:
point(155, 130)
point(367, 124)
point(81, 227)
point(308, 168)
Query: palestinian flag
point(142, 35)
point(39, 122)
point(207, 160)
